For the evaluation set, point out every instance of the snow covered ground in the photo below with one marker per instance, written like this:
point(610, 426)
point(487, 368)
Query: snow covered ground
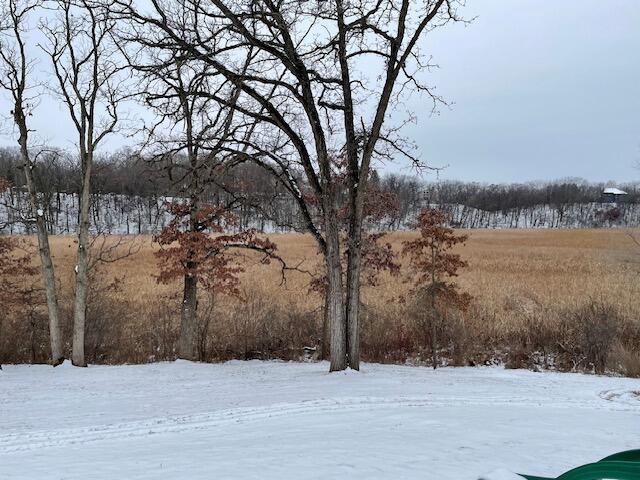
point(271, 420)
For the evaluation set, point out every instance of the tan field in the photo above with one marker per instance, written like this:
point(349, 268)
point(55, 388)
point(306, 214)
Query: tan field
point(524, 282)
point(558, 267)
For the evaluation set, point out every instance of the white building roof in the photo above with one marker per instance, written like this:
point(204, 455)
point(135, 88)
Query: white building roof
point(614, 191)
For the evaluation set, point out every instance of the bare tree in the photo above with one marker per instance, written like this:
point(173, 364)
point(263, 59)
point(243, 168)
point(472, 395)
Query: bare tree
point(318, 113)
point(15, 68)
point(84, 60)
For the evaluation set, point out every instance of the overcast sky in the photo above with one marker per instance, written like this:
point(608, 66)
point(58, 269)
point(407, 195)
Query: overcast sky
point(540, 90)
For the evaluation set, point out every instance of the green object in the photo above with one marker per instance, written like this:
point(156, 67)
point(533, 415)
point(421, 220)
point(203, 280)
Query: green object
point(620, 466)
point(628, 456)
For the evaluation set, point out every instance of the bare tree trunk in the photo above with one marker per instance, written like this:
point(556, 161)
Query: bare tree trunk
point(82, 265)
point(335, 306)
point(353, 304)
point(354, 267)
point(79, 43)
point(49, 279)
point(357, 188)
point(187, 345)
point(17, 84)
point(324, 352)
point(44, 250)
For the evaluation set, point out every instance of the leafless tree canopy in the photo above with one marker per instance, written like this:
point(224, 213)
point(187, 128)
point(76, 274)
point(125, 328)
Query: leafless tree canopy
point(305, 90)
point(316, 82)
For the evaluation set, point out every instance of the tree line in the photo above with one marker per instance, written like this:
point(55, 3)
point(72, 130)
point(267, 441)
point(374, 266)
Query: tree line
point(130, 191)
point(127, 172)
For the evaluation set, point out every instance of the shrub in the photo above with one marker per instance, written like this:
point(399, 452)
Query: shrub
point(598, 325)
point(624, 360)
point(592, 337)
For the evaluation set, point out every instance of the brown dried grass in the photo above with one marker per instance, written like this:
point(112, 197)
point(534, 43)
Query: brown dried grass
point(550, 267)
point(521, 281)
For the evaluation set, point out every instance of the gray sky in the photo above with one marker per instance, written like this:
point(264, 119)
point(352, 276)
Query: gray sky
point(540, 90)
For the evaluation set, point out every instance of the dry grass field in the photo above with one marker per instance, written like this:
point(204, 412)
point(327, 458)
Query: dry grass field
point(525, 284)
point(559, 267)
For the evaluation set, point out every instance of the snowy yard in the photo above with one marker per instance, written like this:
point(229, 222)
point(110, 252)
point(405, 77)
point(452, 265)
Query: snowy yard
point(269, 420)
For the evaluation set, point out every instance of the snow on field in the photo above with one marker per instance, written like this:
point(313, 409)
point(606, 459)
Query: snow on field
point(271, 420)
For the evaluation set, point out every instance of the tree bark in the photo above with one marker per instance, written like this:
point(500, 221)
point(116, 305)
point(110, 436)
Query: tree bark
point(187, 345)
point(354, 269)
point(335, 306)
point(49, 280)
point(44, 250)
point(357, 188)
point(324, 352)
point(82, 266)
point(353, 304)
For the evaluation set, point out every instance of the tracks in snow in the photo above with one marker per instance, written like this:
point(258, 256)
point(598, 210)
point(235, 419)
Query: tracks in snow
point(622, 396)
point(35, 440)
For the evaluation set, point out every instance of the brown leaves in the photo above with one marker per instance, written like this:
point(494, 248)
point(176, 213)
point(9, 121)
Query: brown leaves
point(193, 244)
point(432, 262)
point(377, 257)
point(380, 204)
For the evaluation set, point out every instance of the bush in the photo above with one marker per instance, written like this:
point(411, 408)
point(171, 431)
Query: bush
point(590, 337)
point(625, 360)
point(598, 328)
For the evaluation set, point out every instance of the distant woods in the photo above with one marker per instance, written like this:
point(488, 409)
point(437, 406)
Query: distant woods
point(130, 192)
